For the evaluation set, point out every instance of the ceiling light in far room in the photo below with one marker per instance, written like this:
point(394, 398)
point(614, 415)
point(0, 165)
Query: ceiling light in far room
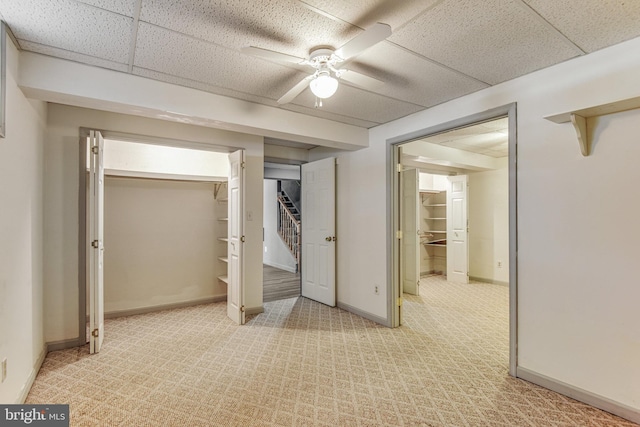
point(324, 85)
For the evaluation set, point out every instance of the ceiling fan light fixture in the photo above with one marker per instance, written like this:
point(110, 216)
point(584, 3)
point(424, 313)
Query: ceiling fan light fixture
point(324, 85)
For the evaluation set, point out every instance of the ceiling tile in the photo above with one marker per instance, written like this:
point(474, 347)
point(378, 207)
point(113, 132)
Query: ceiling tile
point(78, 28)
point(123, 7)
point(412, 78)
point(593, 24)
point(490, 40)
point(351, 102)
point(175, 54)
point(365, 13)
point(72, 56)
point(284, 26)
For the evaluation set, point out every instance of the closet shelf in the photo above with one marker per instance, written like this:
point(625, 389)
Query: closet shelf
point(223, 239)
point(439, 205)
point(223, 258)
point(223, 219)
point(426, 219)
point(439, 242)
point(436, 231)
point(578, 118)
point(224, 279)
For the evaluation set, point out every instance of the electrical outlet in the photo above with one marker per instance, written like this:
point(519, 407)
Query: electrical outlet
point(499, 264)
point(376, 290)
point(4, 369)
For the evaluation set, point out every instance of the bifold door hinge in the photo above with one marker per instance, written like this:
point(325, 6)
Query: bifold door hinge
point(242, 165)
point(94, 244)
point(399, 234)
point(242, 308)
point(94, 333)
point(242, 239)
point(399, 302)
point(94, 150)
point(399, 167)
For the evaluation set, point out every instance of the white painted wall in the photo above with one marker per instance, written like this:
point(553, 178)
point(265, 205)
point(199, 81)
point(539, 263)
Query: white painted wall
point(21, 236)
point(489, 225)
point(161, 243)
point(577, 320)
point(123, 157)
point(276, 253)
point(61, 203)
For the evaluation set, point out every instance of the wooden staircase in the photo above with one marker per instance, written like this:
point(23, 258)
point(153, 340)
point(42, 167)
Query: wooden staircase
point(289, 225)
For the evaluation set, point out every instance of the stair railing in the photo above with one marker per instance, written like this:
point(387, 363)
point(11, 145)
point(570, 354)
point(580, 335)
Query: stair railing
point(289, 229)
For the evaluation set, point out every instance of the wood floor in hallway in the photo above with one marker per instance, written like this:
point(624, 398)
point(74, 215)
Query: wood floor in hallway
point(279, 284)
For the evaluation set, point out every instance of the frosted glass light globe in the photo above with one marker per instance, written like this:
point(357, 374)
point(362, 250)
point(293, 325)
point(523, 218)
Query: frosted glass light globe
point(324, 86)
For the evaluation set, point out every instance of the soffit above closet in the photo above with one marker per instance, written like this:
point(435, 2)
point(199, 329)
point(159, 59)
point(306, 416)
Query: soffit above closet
point(439, 49)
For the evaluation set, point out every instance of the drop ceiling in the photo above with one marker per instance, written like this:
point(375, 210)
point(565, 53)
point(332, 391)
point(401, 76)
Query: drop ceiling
point(439, 49)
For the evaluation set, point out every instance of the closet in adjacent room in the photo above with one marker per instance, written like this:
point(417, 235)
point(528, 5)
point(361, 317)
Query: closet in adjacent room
point(433, 224)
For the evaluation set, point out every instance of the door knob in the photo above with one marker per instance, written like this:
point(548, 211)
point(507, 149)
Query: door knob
point(328, 239)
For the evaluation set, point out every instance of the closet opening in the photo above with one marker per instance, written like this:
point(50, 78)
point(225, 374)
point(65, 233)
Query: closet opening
point(453, 207)
point(165, 220)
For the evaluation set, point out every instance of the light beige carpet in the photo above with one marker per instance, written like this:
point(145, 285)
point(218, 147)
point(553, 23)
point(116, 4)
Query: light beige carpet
point(301, 363)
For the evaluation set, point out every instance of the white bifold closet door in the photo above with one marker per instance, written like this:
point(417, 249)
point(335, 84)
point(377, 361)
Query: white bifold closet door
point(95, 246)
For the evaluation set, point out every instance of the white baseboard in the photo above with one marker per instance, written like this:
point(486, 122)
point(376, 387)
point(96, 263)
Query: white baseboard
point(483, 280)
point(380, 320)
point(281, 266)
point(601, 402)
point(24, 392)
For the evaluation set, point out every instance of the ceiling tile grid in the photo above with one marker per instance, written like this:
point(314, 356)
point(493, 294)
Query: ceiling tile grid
point(412, 78)
point(73, 56)
point(365, 13)
point(352, 102)
point(490, 40)
point(439, 49)
point(197, 60)
point(71, 26)
point(284, 26)
point(595, 23)
point(123, 7)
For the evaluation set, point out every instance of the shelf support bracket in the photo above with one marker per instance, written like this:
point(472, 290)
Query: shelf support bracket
point(580, 125)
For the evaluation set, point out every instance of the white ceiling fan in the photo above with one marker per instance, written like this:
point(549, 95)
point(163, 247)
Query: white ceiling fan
point(326, 62)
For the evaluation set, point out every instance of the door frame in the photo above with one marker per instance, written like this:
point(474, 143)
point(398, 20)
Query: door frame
point(394, 306)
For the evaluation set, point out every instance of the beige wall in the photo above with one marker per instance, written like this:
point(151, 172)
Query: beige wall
point(489, 225)
point(21, 237)
point(161, 243)
point(577, 321)
point(61, 204)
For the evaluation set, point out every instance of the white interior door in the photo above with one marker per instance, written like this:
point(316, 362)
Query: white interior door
point(318, 231)
point(410, 216)
point(235, 235)
point(457, 230)
point(96, 241)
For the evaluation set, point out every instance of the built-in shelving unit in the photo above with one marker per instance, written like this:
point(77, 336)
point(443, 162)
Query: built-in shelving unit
point(221, 195)
point(578, 118)
point(433, 235)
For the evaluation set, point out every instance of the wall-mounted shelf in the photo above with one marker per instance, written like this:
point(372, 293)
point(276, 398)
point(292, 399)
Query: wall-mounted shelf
point(223, 258)
point(223, 239)
point(224, 279)
point(578, 118)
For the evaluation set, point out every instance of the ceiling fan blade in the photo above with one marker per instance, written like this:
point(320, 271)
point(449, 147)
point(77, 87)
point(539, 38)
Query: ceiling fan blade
point(295, 91)
point(361, 80)
point(372, 35)
point(270, 54)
